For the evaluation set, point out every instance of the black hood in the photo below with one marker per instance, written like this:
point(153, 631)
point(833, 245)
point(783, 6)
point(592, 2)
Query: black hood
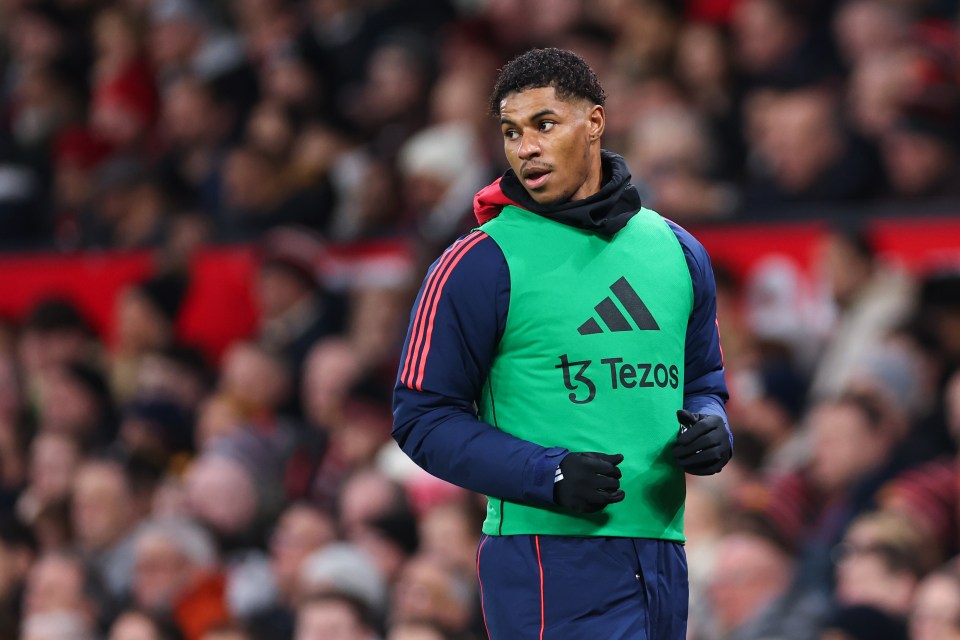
point(605, 212)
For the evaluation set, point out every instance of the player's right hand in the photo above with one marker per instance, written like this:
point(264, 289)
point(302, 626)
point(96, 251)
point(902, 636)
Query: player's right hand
point(588, 481)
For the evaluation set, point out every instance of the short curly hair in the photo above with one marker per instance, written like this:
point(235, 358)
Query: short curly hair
point(565, 71)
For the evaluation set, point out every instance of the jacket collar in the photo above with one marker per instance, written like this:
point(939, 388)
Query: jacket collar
point(605, 212)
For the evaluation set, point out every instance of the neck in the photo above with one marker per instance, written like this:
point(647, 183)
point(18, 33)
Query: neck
point(594, 179)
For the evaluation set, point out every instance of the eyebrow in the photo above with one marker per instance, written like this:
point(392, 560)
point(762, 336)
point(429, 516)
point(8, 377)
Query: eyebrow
point(536, 116)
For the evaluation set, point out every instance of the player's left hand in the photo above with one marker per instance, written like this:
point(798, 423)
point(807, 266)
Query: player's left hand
point(703, 445)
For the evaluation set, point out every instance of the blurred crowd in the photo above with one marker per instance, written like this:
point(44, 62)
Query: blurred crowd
point(124, 123)
point(150, 492)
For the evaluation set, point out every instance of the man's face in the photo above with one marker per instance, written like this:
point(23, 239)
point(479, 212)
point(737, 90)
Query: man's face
point(160, 573)
point(552, 144)
point(748, 574)
point(300, 532)
point(101, 505)
point(54, 584)
point(844, 446)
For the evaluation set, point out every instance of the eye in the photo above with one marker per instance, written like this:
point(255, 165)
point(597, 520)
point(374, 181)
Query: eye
point(511, 134)
point(546, 125)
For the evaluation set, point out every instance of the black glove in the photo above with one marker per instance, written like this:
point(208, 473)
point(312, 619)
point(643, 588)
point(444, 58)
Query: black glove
point(703, 446)
point(590, 481)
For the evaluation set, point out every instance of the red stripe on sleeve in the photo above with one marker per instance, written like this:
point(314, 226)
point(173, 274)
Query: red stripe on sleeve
point(543, 609)
point(420, 334)
point(483, 610)
point(421, 309)
point(716, 321)
point(470, 241)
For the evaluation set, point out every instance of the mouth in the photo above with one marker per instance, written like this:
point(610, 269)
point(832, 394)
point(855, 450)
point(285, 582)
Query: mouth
point(535, 178)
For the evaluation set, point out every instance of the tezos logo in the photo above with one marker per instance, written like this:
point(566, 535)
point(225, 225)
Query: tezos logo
point(642, 375)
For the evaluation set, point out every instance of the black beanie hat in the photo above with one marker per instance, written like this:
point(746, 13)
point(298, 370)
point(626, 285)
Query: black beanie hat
point(863, 622)
point(57, 314)
point(171, 422)
point(93, 381)
point(400, 527)
point(166, 293)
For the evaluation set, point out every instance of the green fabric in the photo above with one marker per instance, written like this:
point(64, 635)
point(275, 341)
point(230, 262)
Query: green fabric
point(575, 369)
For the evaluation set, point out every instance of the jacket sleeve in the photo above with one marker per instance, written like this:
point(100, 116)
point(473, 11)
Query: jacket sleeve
point(455, 327)
point(704, 385)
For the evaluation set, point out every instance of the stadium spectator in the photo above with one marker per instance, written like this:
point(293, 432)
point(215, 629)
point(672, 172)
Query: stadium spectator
point(870, 299)
point(673, 151)
point(342, 569)
point(61, 583)
point(442, 168)
point(177, 573)
point(936, 609)
point(390, 539)
point(301, 530)
point(134, 624)
point(127, 208)
point(391, 104)
point(54, 459)
point(295, 310)
point(365, 495)
point(429, 590)
point(103, 513)
point(704, 524)
point(864, 28)
point(253, 191)
point(234, 488)
point(448, 531)
point(920, 154)
point(332, 368)
point(185, 38)
point(17, 553)
point(13, 435)
point(156, 429)
point(774, 46)
point(861, 622)
point(334, 615)
point(750, 592)
point(286, 78)
point(55, 332)
point(146, 320)
point(256, 379)
point(798, 145)
point(194, 128)
point(177, 373)
point(851, 446)
point(218, 416)
point(123, 100)
point(880, 562)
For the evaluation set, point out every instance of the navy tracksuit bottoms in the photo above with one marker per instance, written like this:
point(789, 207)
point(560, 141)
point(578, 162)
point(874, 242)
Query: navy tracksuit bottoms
point(537, 587)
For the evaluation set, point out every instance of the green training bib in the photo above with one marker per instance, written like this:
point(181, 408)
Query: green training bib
point(592, 359)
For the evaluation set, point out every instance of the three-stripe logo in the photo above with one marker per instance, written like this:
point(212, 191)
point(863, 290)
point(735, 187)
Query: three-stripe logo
point(614, 319)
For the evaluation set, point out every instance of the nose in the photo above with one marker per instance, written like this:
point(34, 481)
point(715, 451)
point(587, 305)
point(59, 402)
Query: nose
point(529, 146)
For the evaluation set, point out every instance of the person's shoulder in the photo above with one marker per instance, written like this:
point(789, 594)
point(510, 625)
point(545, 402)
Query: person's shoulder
point(693, 250)
point(472, 258)
point(471, 249)
point(687, 240)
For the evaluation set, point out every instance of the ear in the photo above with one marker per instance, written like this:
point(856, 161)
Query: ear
point(597, 120)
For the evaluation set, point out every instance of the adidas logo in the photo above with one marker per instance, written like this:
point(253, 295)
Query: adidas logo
point(614, 319)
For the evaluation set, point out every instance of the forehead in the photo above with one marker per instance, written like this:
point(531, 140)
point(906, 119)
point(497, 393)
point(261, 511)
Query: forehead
point(526, 103)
